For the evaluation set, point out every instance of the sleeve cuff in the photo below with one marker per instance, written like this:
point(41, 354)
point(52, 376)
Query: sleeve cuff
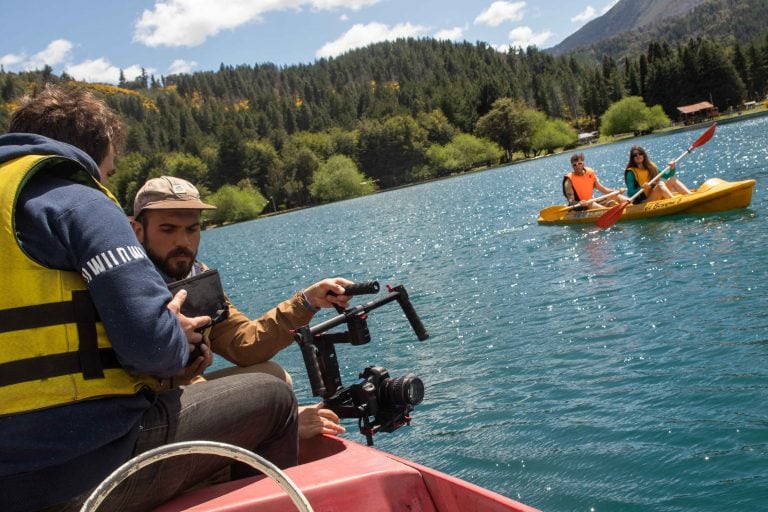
point(312, 309)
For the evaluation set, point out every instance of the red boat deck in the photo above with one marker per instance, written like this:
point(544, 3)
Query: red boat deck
point(338, 475)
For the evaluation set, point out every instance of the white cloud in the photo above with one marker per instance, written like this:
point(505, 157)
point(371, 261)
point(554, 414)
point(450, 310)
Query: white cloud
point(101, 70)
point(450, 34)
point(500, 12)
point(95, 70)
point(330, 5)
point(587, 14)
point(134, 72)
point(10, 60)
point(57, 52)
point(524, 37)
point(609, 6)
point(344, 17)
point(191, 22)
point(180, 66)
point(363, 35)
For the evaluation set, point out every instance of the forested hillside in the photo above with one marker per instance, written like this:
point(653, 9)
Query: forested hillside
point(389, 114)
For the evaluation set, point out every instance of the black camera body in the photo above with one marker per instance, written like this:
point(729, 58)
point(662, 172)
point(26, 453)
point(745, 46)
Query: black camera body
point(388, 400)
point(375, 394)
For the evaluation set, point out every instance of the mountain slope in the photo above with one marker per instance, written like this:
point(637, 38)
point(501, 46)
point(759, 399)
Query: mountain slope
point(625, 16)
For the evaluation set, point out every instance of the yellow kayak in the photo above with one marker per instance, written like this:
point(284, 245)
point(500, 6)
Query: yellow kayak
point(714, 195)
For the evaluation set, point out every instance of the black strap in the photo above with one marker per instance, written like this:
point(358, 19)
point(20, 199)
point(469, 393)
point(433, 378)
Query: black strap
point(80, 311)
point(573, 189)
point(88, 345)
point(40, 315)
point(54, 365)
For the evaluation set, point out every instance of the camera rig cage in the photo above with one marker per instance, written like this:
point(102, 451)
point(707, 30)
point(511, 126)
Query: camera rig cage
point(388, 401)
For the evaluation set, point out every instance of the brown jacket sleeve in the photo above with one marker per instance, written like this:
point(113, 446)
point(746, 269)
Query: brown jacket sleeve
point(245, 342)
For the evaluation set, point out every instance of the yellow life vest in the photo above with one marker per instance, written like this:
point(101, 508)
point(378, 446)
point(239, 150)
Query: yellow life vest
point(53, 347)
point(642, 176)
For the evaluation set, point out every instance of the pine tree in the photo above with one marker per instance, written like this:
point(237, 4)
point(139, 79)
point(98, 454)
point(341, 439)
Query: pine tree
point(232, 157)
point(757, 72)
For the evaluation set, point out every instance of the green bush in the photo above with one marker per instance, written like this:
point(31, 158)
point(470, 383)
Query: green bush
point(632, 115)
point(553, 134)
point(234, 204)
point(463, 153)
point(338, 178)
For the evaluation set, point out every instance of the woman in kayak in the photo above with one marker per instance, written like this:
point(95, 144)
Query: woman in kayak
point(641, 169)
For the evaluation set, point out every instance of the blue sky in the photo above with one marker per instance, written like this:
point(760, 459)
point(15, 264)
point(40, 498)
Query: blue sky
point(94, 40)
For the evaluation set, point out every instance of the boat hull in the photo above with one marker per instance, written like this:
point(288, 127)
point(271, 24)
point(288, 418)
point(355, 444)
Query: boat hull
point(714, 195)
point(339, 475)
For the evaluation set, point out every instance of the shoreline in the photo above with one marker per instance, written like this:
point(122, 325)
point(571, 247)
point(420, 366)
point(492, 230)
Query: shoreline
point(675, 128)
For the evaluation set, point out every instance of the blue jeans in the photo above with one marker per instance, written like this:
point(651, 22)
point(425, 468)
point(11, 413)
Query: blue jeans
point(255, 411)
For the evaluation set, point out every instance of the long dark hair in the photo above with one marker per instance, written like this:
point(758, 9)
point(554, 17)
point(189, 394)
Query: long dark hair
point(647, 162)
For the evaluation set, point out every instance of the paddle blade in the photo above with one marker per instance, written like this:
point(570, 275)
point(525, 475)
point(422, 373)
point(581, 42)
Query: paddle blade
point(553, 213)
point(610, 217)
point(704, 137)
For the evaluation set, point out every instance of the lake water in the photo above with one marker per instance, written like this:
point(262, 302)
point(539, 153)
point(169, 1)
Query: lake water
point(570, 368)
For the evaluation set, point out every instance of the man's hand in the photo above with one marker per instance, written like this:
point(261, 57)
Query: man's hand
point(200, 358)
point(318, 297)
point(199, 344)
point(314, 420)
point(192, 326)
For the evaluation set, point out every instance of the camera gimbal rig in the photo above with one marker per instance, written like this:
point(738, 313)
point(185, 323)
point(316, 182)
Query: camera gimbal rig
point(375, 394)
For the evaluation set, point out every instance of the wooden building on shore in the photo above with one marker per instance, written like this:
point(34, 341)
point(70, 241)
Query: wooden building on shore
point(697, 112)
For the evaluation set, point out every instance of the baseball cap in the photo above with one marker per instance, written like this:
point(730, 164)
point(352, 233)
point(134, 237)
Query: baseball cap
point(168, 193)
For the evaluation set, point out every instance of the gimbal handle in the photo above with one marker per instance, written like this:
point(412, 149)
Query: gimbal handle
point(305, 336)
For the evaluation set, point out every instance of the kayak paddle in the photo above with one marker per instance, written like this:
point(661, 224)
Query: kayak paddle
point(554, 212)
point(610, 217)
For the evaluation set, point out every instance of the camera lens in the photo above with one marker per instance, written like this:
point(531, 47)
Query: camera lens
point(406, 390)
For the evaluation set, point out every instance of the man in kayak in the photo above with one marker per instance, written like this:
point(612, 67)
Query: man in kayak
point(87, 326)
point(167, 222)
point(581, 181)
point(641, 169)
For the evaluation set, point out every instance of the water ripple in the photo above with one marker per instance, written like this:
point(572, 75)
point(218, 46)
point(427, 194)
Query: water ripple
point(570, 368)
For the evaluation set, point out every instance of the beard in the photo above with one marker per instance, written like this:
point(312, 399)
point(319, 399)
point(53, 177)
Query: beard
point(175, 269)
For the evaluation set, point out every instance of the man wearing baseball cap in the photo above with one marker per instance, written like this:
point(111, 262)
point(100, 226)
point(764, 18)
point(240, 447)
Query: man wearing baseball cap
point(87, 327)
point(167, 222)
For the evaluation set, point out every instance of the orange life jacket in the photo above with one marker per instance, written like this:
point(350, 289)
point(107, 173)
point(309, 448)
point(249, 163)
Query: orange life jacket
point(582, 185)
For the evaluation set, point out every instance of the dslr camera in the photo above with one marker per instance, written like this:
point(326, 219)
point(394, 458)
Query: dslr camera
point(388, 400)
point(381, 403)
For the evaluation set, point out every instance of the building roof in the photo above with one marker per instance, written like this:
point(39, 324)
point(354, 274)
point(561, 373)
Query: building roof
point(690, 109)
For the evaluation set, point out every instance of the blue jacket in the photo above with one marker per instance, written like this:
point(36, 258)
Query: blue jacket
point(62, 224)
